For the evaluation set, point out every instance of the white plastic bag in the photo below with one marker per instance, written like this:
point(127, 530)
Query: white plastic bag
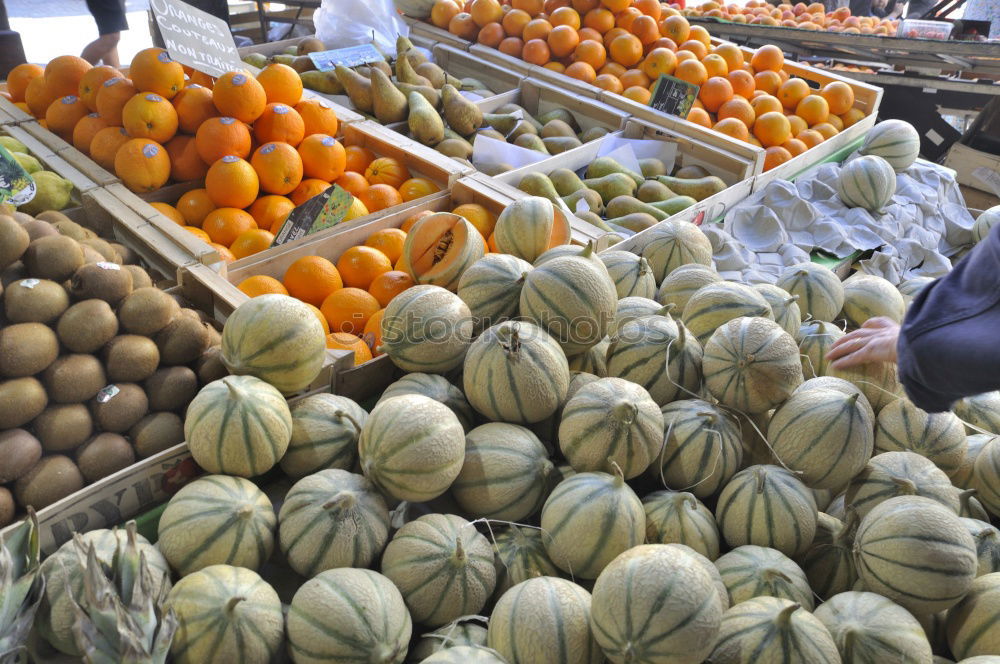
point(342, 23)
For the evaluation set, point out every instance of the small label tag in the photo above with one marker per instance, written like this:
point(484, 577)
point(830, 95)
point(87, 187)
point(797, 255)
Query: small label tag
point(316, 214)
point(673, 96)
point(352, 56)
point(107, 393)
point(16, 185)
point(28, 283)
point(108, 266)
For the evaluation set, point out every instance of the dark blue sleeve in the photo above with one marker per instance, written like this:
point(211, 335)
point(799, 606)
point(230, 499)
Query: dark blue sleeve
point(949, 345)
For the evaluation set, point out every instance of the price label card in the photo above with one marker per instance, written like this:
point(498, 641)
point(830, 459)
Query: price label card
point(318, 213)
point(989, 178)
point(16, 185)
point(196, 38)
point(673, 96)
point(352, 56)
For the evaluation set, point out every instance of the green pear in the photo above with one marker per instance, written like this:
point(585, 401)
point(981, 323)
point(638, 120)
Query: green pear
point(303, 63)
point(432, 96)
point(651, 167)
point(13, 145)
point(560, 144)
point(357, 87)
point(652, 191)
point(28, 163)
point(310, 45)
point(624, 205)
point(495, 169)
point(455, 147)
point(403, 44)
point(674, 205)
point(382, 66)
point(416, 58)
point(692, 172)
point(611, 186)
point(462, 115)
point(566, 181)
point(522, 127)
point(52, 192)
point(290, 50)
point(594, 202)
point(531, 142)
point(432, 73)
point(389, 103)
point(472, 84)
point(284, 59)
point(636, 221)
point(405, 73)
point(492, 133)
point(502, 123)
point(258, 60)
point(594, 220)
point(559, 114)
point(698, 189)
point(451, 133)
point(593, 134)
point(539, 184)
point(425, 123)
point(556, 128)
point(322, 81)
point(606, 166)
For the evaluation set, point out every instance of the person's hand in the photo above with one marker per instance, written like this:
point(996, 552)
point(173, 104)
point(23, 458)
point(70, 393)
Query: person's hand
point(874, 342)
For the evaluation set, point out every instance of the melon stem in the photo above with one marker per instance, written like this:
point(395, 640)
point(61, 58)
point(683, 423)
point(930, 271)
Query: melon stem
point(619, 475)
point(666, 309)
point(905, 486)
point(588, 250)
point(459, 551)
point(776, 574)
point(341, 500)
point(964, 499)
point(233, 601)
point(245, 511)
point(784, 617)
point(346, 416)
point(849, 638)
point(233, 392)
point(626, 413)
point(759, 480)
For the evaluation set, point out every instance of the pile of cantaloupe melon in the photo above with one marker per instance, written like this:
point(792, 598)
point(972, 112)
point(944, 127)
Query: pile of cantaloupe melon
point(613, 457)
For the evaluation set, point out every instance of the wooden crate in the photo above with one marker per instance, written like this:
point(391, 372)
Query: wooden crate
point(462, 64)
point(50, 160)
point(74, 157)
point(10, 114)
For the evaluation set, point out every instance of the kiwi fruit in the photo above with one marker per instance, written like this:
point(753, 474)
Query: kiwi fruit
point(147, 311)
point(104, 281)
point(90, 255)
point(119, 406)
point(74, 378)
point(14, 240)
point(128, 255)
point(157, 432)
point(27, 349)
point(21, 400)
point(130, 358)
point(209, 366)
point(103, 247)
point(68, 228)
point(34, 301)
point(140, 278)
point(7, 507)
point(214, 336)
point(104, 454)
point(39, 229)
point(15, 272)
point(171, 388)
point(20, 217)
point(54, 257)
point(63, 427)
point(51, 479)
point(19, 451)
point(87, 325)
point(182, 341)
point(54, 216)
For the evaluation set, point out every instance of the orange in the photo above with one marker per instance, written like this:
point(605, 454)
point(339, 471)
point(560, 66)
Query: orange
point(281, 83)
point(512, 46)
point(624, 19)
point(768, 81)
point(358, 158)
point(194, 106)
point(62, 115)
point(278, 167)
point(169, 211)
point(194, 206)
point(261, 285)
point(225, 224)
point(775, 156)
point(563, 40)
point(715, 65)
point(478, 216)
point(732, 127)
point(731, 53)
point(308, 188)
point(358, 266)
point(613, 34)
point(584, 6)
point(616, 6)
point(794, 146)
point(659, 61)
point(345, 341)
point(810, 137)
point(232, 182)
point(348, 309)
point(798, 124)
point(837, 123)
point(536, 51)
point(743, 83)
point(825, 129)
point(772, 129)
point(224, 253)
point(582, 72)
point(442, 13)
point(270, 212)
point(185, 164)
point(638, 94)
point(218, 137)
point(635, 78)
point(591, 52)
point(104, 146)
point(112, 97)
point(463, 26)
point(389, 241)
point(239, 96)
point(415, 188)
point(536, 29)
point(279, 122)
point(203, 236)
point(20, 76)
point(839, 96)
point(390, 284)
point(202, 79)
point(37, 96)
point(768, 57)
point(251, 242)
point(813, 109)
point(766, 104)
point(792, 91)
point(379, 197)
point(739, 109)
point(700, 116)
point(152, 70)
point(626, 50)
point(86, 129)
point(148, 115)
point(715, 92)
point(320, 317)
point(610, 83)
point(322, 157)
point(142, 164)
point(557, 67)
point(700, 34)
point(354, 183)
point(514, 22)
point(411, 220)
point(676, 28)
point(694, 46)
point(484, 12)
point(649, 8)
point(599, 19)
point(373, 332)
point(63, 75)
point(318, 116)
point(565, 16)
point(691, 71)
point(612, 69)
point(387, 170)
point(491, 35)
point(90, 84)
point(645, 28)
point(852, 116)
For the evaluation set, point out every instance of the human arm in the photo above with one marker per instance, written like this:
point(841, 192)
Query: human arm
point(875, 341)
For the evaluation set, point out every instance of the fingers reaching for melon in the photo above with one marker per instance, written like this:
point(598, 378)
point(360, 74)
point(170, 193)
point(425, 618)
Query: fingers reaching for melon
point(875, 341)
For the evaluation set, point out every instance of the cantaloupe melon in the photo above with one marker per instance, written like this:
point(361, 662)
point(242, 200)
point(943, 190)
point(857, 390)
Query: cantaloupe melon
point(837, 385)
point(673, 243)
point(986, 476)
point(984, 222)
point(820, 291)
point(701, 448)
point(878, 381)
point(506, 474)
point(896, 141)
point(589, 519)
point(939, 436)
point(217, 520)
point(491, 288)
point(770, 629)
point(638, 615)
point(275, 338)
point(815, 340)
point(911, 288)
point(678, 287)
point(784, 307)
point(870, 629)
point(630, 273)
point(611, 422)
point(935, 628)
point(325, 432)
point(867, 182)
point(412, 447)
point(238, 425)
point(594, 360)
point(969, 506)
point(544, 621)
point(465, 655)
point(829, 562)
point(757, 571)
point(563, 250)
point(751, 364)
point(867, 296)
point(331, 519)
point(442, 566)
point(631, 308)
point(677, 517)
point(225, 613)
point(426, 329)
point(972, 623)
point(515, 372)
point(471, 632)
point(753, 439)
point(837, 507)
point(893, 474)
point(982, 411)
point(714, 305)
point(987, 538)
point(572, 298)
point(342, 613)
point(767, 506)
point(709, 567)
point(520, 555)
point(438, 388)
point(529, 227)
point(927, 578)
point(823, 435)
point(440, 248)
point(641, 350)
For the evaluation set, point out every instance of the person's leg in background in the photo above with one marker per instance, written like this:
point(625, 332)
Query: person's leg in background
point(103, 50)
point(110, 18)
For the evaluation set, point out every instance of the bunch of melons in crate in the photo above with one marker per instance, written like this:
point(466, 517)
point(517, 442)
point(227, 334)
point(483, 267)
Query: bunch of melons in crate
point(52, 191)
point(592, 457)
point(97, 364)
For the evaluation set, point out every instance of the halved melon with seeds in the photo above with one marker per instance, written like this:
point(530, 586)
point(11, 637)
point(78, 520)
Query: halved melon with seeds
point(440, 248)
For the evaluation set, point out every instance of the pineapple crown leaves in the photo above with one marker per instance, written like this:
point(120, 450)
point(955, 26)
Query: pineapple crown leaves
point(21, 587)
point(119, 617)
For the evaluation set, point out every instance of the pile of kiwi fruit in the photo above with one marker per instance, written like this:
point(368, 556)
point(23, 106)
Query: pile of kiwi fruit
point(97, 364)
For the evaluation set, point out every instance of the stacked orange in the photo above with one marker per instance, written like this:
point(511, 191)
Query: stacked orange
point(623, 46)
point(799, 15)
point(259, 146)
point(350, 296)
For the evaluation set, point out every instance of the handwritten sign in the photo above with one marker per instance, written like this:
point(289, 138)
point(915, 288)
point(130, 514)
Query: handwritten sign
point(352, 56)
point(673, 96)
point(16, 185)
point(318, 213)
point(196, 38)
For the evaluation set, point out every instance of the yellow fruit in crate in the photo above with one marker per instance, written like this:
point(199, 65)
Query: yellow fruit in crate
point(357, 209)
